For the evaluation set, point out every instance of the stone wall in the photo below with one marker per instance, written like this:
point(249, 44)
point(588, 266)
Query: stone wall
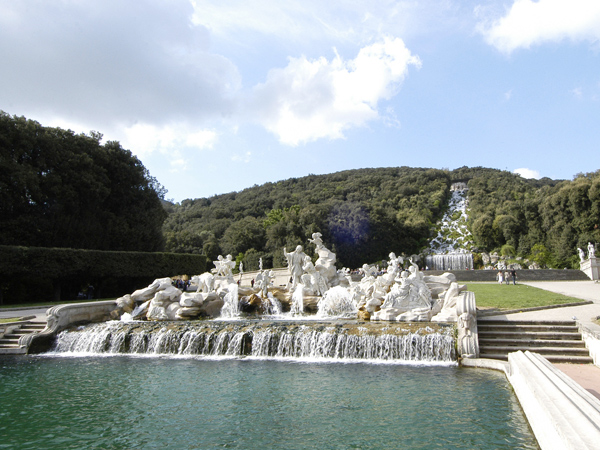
point(522, 275)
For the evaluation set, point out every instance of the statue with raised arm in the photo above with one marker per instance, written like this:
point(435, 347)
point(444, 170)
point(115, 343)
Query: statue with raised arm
point(325, 263)
point(295, 261)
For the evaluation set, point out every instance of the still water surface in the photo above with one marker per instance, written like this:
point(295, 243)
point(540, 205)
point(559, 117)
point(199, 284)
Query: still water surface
point(123, 402)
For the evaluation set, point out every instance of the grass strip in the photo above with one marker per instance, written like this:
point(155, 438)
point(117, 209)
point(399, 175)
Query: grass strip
point(519, 296)
point(10, 319)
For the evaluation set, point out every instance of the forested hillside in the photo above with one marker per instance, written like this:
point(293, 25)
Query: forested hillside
point(364, 214)
point(59, 189)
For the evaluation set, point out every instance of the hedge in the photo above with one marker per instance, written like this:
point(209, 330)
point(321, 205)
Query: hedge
point(78, 267)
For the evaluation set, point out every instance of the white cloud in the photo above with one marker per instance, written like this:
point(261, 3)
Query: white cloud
point(170, 139)
point(508, 95)
point(528, 173)
point(111, 62)
point(242, 158)
point(577, 92)
point(529, 23)
point(312, 99)
point(314, 20)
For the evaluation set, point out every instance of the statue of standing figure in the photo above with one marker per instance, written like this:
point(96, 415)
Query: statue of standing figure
point(295, 261)
point(591, 250)
point(581, 255)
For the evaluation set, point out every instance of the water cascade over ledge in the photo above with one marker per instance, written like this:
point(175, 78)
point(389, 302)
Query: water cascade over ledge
point(388, 342)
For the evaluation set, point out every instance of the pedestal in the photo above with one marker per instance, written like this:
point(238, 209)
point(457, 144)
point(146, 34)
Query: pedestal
point(591, 268)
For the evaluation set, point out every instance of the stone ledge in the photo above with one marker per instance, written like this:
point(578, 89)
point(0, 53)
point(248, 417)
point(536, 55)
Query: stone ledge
point(591, 336)
point(62, 316)
point(561, 413)
point(498, 312)
point(485, 363)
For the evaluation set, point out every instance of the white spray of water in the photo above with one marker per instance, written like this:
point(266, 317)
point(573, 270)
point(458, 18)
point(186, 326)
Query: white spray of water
point(297, 306)
point(337, 302)
point(231, 305)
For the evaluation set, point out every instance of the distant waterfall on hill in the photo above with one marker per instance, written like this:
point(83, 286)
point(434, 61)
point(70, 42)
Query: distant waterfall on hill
point(452, 245)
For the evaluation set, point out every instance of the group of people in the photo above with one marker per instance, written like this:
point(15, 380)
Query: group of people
point(181, 284)
point(506, 276)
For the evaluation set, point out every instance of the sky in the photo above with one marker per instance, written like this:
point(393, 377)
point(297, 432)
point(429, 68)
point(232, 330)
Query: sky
point(214, 96)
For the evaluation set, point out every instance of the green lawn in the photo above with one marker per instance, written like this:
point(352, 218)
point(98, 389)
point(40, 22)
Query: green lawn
point(519, 296)
point(10, 319)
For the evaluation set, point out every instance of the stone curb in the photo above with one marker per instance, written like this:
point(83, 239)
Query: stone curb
point(486, 313)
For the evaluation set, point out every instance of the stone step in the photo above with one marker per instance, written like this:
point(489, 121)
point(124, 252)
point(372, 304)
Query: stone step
point(491, 342)
point(558, 341)
point(541, 350)
point(552, 358)
point(529, 335)
point(12, 351)
point(10, 341)
point(23, 331)
point(526, 322)
point(532, 328)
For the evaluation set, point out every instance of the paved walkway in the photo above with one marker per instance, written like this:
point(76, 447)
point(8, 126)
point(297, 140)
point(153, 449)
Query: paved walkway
point(586, 375)
point(38, 312)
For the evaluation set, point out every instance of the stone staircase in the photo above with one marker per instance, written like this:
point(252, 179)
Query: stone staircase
point(558, 342)
point(9, 343)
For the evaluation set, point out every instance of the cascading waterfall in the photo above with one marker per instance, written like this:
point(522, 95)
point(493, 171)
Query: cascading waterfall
point(451, 261)
point(318, 340)
point(272, 306)
point(451, 247)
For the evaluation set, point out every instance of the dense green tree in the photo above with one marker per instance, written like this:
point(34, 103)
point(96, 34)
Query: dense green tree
point(59, 189)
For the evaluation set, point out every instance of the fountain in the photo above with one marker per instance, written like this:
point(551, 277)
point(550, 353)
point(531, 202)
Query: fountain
point(268, 321)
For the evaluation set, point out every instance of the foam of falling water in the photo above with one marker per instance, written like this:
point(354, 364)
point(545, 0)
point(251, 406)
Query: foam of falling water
point(231, 305)
point(275, 340)
point(297, 306)
point(337, 302)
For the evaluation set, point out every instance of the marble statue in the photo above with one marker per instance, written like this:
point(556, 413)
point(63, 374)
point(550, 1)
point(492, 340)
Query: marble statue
point(466, 309)
point(396, 294)
point(205, 282)
point(263, 281)
point(325, 264)
point(409, 298)
point(229, 265)
point(295, 261)
point(219, 266)
point(312, 280)
point(581, 255)
point(591, 250)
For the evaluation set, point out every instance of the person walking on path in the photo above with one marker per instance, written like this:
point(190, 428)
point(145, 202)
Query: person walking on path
point(500, 277)
point(513, 274)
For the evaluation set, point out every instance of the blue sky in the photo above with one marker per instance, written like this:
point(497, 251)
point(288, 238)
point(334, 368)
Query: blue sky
point(216, 96)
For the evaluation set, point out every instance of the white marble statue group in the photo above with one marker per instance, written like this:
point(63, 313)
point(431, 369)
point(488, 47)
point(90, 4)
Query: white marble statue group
point(394, 294)
point(591, 252)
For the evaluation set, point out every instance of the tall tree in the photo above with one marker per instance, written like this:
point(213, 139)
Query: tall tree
point(59, 189)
